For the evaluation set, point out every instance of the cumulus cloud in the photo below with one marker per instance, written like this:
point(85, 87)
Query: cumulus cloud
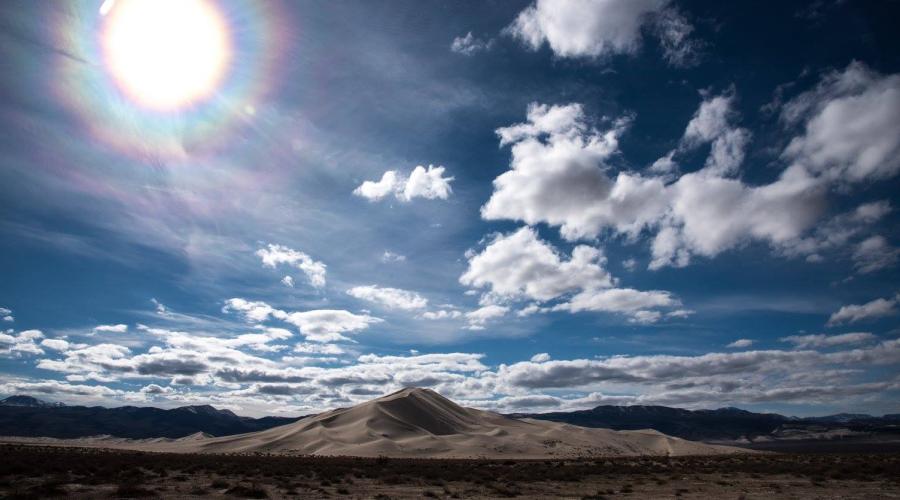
point(849, 126)
point(559, 175)
point(120, 328)
point(6, 314)
point(602, 28)
point(822, 340)
point(469, 44)
point(274, 255)
point(23, 343)
point(288, 281)
point(425, 183)
point(392, 298)
point(520, 266)
point(875, 309)
point(741, 343)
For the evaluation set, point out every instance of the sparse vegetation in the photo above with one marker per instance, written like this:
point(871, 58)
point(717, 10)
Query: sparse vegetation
point(42, 472)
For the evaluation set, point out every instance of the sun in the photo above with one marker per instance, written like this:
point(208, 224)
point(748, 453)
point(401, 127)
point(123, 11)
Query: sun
point(165, 54)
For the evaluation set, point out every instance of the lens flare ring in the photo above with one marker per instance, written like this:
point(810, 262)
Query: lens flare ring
point(140, 90)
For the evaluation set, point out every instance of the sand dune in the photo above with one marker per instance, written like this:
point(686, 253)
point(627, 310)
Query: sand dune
point(421, 423)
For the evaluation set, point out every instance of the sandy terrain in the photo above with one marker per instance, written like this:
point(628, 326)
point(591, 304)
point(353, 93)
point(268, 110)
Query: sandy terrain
point(419, 423)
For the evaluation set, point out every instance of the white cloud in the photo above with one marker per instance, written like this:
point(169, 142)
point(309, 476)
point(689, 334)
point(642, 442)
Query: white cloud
point(520, 266)
point(15, 345)
point(442, 314)
point(469, 44)
point(374, 191)
point(392, 298)
point(740, 343)
point(288, 281)
point(389, 256)
point(329, 325)
point(558, 175)
point(254, 311)
point(674, 33)
point(421, 183)
point(274, 255)
point(822, 340)
point(877, 308)
point(120, 328)
point(837, 231)
point(6, 314)
point(540, 357)
point(479, 317)
point(585, 28)
point(850, 126)
point(309, 348)
point(319, 325)
point(875, 253)
point(55, 344)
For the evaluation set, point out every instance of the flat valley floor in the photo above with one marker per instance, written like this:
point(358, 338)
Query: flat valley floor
point(48, 472)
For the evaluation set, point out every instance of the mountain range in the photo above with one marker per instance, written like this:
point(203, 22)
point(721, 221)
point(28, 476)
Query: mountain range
point(22, 415)
point(28, 416)
point(723, 424)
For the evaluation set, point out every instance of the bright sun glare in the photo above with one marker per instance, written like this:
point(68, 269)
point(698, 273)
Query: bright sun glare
point(165, 54)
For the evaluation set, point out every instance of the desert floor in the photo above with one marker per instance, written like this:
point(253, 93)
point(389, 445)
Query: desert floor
point(46, 472)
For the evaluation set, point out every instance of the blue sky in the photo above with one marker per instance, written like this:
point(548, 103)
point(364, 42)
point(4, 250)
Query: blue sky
point(524, 205)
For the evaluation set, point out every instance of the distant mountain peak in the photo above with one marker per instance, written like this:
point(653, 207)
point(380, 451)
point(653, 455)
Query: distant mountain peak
point(206, 410)
point(29, 401)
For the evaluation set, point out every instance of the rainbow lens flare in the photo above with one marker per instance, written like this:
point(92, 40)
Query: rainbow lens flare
point(168, 78)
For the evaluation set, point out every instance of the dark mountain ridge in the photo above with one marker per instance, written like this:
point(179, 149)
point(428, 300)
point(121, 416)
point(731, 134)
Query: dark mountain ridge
point(42, 419)
point(723, 424)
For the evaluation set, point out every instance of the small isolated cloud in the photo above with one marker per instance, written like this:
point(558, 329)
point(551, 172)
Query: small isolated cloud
point(120, 328)
point(161, 308)
point(540, 358)
point(602, 28)
point(389, 256)
point(874, 254)
point(875, 309)
point(6, 314)
point(469, 44)
point(274, 255)
point(392, 298)
point(421, 183)
point(55, 344)
point(288, 281)
point(822, 340)
point(740, 343)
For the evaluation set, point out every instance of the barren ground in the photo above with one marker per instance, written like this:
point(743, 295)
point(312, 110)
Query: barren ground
point(43, 472)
